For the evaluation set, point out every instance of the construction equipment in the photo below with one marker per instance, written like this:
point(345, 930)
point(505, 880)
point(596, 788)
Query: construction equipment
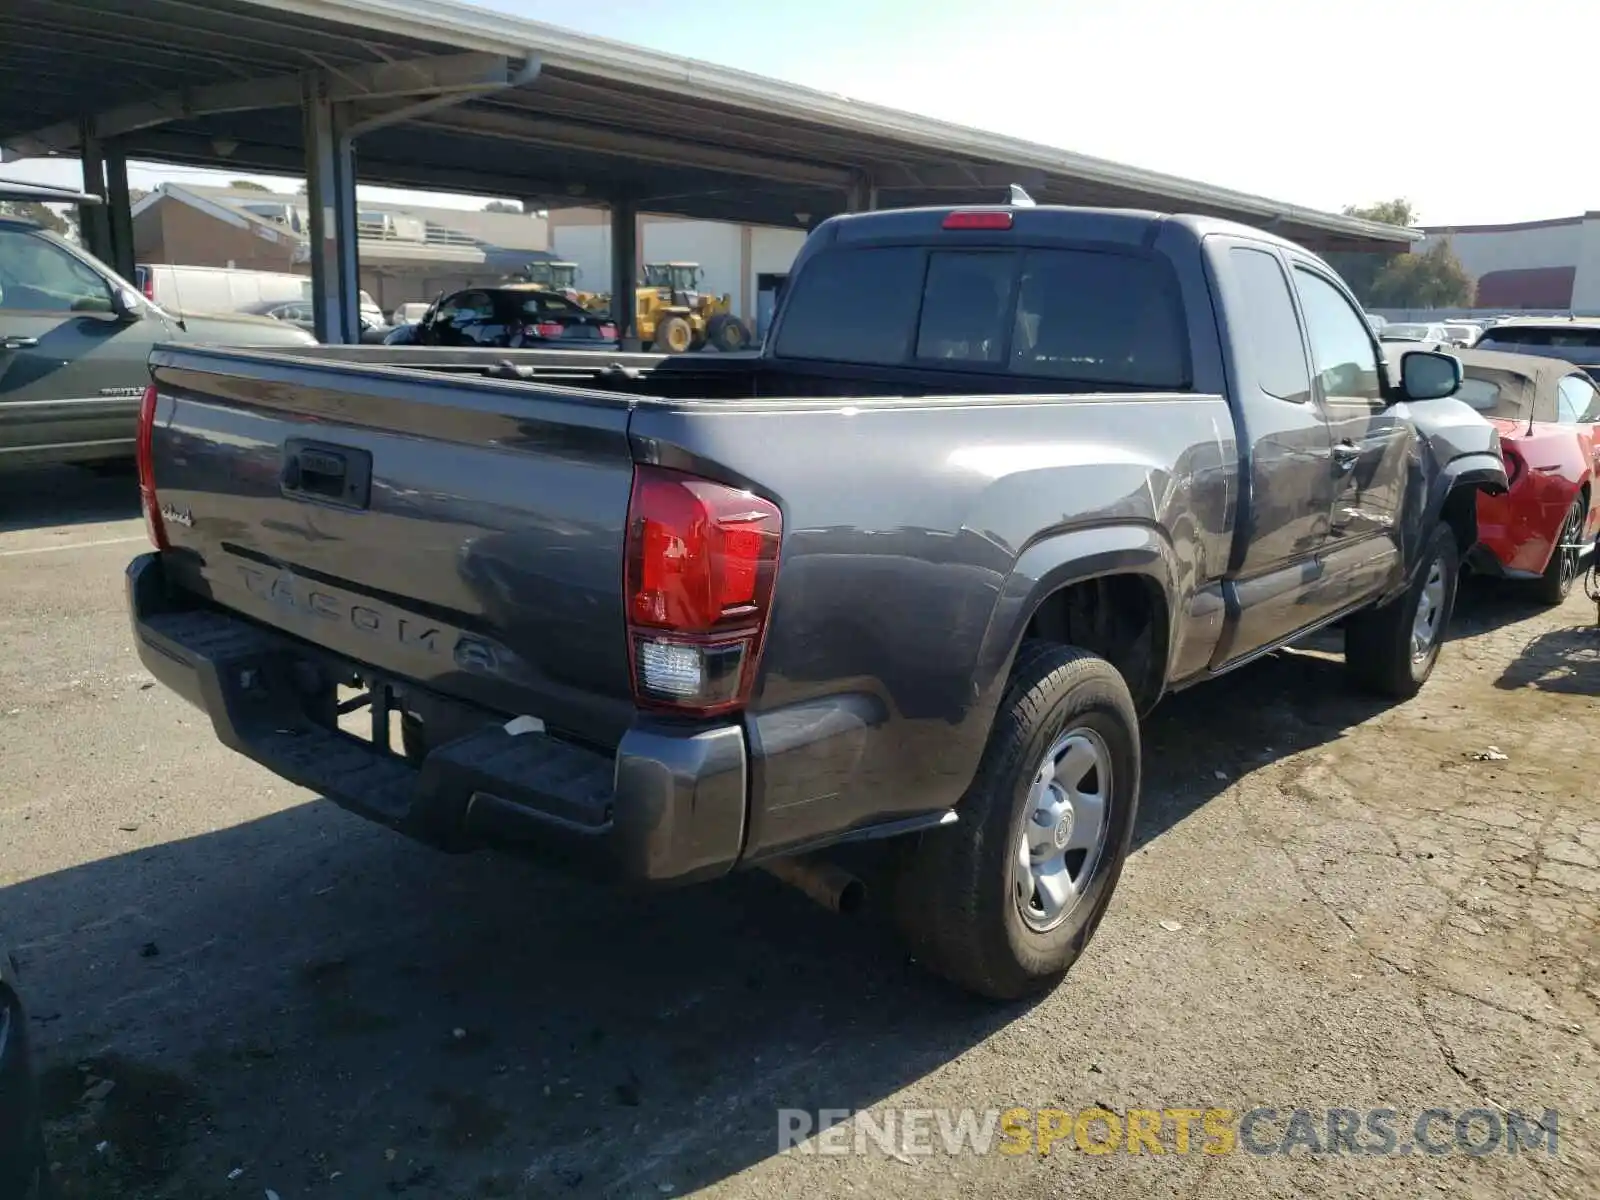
point(673, 315)
point(554, 277)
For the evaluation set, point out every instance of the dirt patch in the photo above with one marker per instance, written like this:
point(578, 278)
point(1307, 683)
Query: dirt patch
point(470, 1122)
point(116, 1127)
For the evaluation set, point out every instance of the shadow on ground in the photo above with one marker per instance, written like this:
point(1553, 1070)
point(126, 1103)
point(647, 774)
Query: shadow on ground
point(322, 1005)
point(43, 497)
point(1562, 661)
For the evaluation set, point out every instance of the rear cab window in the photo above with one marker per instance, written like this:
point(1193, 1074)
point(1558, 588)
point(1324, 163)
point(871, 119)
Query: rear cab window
point(549, 304)
point(1086, 316)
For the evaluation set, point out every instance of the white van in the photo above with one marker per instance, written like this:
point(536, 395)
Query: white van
point(184, 289)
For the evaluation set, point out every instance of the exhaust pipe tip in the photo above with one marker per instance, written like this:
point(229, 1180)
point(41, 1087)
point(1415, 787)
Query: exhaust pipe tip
point(852, 898)
point(831, 886)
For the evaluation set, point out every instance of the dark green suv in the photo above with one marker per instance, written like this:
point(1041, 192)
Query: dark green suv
point(74, 337)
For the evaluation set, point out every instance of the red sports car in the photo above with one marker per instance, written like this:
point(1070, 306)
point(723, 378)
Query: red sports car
point(1546, 411)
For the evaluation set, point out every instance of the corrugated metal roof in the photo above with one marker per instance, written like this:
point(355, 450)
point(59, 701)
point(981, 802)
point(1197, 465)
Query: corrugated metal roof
point(602, 118)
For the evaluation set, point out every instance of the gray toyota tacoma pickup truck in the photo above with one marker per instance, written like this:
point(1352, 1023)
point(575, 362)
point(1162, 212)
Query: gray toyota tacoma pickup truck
point(999, 479)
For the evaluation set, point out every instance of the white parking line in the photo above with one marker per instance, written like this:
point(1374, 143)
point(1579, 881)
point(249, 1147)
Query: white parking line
point(117, 541)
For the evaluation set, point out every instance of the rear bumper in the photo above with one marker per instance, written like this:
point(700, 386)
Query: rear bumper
point(669, 806)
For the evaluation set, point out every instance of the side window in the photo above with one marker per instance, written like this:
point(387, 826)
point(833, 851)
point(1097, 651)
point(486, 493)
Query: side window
point(1341, 344)
point(36, 276)
point(1577, 401)
point(464, 309)
point(965, 304)
point(445, 314)
point(1271, 328)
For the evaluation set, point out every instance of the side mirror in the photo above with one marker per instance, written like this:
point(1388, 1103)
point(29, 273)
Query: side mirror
point(1429, 375)
point(125, 305)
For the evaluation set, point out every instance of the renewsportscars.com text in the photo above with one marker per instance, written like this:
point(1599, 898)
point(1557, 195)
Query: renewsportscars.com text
point(899, 1133)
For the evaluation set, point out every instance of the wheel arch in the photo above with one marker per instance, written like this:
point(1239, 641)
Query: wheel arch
point(1111, 589)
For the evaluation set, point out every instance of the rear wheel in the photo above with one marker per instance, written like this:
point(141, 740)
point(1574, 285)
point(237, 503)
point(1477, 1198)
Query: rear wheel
point(1004, 901)
point(674, 335)
point(727, 333)
point(1562, 571)
point(1392, 650)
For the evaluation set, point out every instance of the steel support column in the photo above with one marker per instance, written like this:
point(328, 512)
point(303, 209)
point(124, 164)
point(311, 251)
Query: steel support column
point(625, 270)
point(119, 211)
point(94, 225)
point(331, 197)
point(862, 195)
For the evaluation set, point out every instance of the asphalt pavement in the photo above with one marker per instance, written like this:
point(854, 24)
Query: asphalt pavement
point(241, 990)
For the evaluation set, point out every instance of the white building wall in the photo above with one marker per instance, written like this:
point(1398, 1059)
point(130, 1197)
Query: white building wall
point(1511, 249)
point(1586, 284)
point(772, 251)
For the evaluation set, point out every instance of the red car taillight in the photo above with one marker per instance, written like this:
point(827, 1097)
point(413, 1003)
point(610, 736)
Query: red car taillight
point(608, 332)
point(544, 329)
point(702, 558)
point(143, 446)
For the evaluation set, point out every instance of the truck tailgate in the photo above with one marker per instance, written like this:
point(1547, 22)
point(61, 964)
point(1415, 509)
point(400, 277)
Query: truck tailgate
point(465, 534)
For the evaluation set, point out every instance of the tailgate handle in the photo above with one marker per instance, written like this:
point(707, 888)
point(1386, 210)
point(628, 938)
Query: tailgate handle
point(334, 474)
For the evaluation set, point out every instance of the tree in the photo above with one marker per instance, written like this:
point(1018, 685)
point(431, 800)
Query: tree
point(1361, 268)
point(247, 185)
point(1434, 278)
point(1385, 212)
point(502, 206)
point(41, 215)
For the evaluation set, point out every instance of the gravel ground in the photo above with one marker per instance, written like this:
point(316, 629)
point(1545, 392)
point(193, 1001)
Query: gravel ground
point(242, 991)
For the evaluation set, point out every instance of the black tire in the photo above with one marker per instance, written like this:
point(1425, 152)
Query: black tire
point(1378, 644)
point(956, 895)
point(1562, 571)
point(674, 335)
point(727, 333)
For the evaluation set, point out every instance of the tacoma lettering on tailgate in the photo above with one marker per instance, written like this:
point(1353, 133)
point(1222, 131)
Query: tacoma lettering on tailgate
point(286, 591)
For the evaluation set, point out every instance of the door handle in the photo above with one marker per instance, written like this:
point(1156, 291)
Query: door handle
point(1346, 455)
point(7, 342)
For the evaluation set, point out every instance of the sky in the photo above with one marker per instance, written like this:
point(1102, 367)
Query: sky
point(1316, 103)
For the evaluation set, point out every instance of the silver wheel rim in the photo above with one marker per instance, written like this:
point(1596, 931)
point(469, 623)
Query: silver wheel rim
point(1568, 548)
point(1063, 828)
point(1430, 607)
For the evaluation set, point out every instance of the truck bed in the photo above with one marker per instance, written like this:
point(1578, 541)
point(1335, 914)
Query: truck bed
point(483, 562)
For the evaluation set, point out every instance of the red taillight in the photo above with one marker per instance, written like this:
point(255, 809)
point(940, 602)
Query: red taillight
point(1514, 464)
point(608, 332)
point(971, 219)
point(549, 329)
point(145, 461)
point(701, 561)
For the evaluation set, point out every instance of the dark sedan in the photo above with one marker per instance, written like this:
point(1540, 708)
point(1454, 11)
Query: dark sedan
point(22, 1161)
point(513, 316)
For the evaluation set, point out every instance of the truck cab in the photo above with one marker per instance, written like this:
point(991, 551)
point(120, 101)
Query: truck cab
point(74, 340)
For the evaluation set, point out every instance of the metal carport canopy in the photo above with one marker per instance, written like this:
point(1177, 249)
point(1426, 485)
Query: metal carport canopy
point(476, 101)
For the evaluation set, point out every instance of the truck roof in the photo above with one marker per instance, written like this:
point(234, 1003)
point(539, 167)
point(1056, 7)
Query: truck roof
point(1068, 222)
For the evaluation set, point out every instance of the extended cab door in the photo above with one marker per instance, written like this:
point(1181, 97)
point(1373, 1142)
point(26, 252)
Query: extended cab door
point(1371, 442)
point(1288, 487)
point(71, 369)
